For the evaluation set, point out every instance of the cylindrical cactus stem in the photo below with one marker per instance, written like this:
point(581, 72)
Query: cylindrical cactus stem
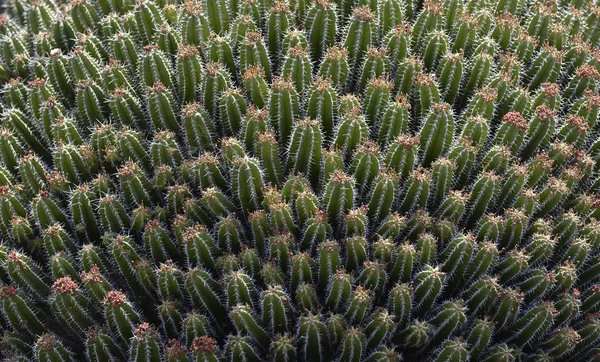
point(506, 307)
point(136, 271)
point(365, 166)
point(283, 348)
point(567, 306)
point(392, 226)
point(551, 196)
point(18, 310)
point(453, 206)
point(426, 94)
point(321, 25)
point(322, 105)
point(399, 304)
point(338, 290)
point(162, 108)
point(428, 285)
point(100, 346)
point(125, 108)
point(255, 86)
point(206, 294)
point(449, 73)
point(515, 262)
point(11, 207)
point(294, 185)
point(545, 67)
point(533, 324)
point(306, 206)
point(158, 244)
point(332, 161)
point(382, 195)
point(407, 71)
point(165, 150)
point(540, 248)
point(261, 230)
point(436, 133)
point(513, 183)
point(204, 349)
point(217, 203)
point(170, 281)
point(482, 194)
point(279, 21)
point(112, 214)
point(540, 130)
point(448, 319)
point(481, 295)
point(329, 262)
point(145, 345)
point(56, 240)
point(316, 231)
point(189, 72)
point(394, 120)
point(357, 222)
point(356, 252)
point(512, 131)
point(195, 29)
point(536, 283)
point(27, 132)
point(463, 156)
point(352, 131)
point(137, 188)
point(429, 19)
point(70, 304)
point(284, 109)
point(47, 212)
point(301, 270)
point(476, 75)
point(246, 322)
point(314, 343)
point(514, 226)
point(376, 99)
point(454, 350)
point(585, 78)
point(280, 250)
point(200, 132)
point(335, 67)
point(77, 163)
point(247, 184)
point(360, 34)
point(435, 45)
point(120, 315)
point(415, 335)
point(403, 266)
point(297, 68)
point(229, 234)
point(501, 352)
point(304, 152)
point(480, 337)
point(216, 81)
point(402, 155)
point(62, 265)
point(416, 190)
point(253, 52)
point(338, 198)
point(373, 278)
point(27, 275)
point(147, 17)
point(240, 289)
point(359, 305)
point(83, 66)
point(276, 310)
point(200, 248)
point(49, 348)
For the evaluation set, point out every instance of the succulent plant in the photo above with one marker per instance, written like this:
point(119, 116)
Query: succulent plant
point(282, 180)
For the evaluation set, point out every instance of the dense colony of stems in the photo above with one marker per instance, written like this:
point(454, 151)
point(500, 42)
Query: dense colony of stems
point(316, 180)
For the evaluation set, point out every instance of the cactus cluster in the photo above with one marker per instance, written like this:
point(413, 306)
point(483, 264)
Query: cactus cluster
point(282, 180)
